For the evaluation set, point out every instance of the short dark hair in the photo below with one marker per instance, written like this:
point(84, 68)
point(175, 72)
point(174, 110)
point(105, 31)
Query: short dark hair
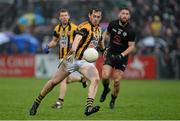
point(95, 10)
point(124, 8)
point(63, 10)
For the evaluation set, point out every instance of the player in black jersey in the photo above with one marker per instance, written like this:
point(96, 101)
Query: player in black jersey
point(122, 42)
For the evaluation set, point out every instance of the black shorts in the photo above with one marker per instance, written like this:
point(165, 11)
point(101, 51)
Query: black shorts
point(120, 65)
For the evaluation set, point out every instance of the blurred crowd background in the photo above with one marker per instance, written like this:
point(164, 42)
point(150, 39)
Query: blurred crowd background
point(27, 25)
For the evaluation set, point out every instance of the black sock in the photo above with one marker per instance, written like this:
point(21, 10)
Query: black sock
point(61, 100)
point(113, 98)
point(39, 99)
point(105, 84)
point(89, 102)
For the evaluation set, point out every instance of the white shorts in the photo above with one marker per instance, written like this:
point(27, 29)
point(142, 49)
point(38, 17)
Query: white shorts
point(77, 64)
point(73, 74)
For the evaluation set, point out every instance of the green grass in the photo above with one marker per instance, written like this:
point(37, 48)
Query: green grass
point(137, 100)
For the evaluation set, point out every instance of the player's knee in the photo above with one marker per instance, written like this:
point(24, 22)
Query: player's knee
point(117, 77)
point(105, 75)
point(116, 83)
point(52, 83)
point(95, 80)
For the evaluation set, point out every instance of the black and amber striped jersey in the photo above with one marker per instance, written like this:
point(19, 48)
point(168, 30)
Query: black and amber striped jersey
point(66, 37)
point(91, 36)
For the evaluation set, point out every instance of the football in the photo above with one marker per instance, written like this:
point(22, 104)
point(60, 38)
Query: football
point(90, 55)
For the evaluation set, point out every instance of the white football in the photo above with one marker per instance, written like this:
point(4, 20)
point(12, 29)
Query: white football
point(90, 55)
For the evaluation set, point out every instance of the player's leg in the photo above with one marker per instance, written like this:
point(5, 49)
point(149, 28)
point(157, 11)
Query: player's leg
point(106, 73)
point(73, 77)
point(57, 78)
point(77, 77)
point(117, 76)
point(63, 88)
point(120, 67)
point(91, 73)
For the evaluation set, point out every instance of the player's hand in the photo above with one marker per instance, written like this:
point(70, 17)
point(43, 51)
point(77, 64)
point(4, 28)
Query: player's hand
point(71, 52)
point(119, 57)
point(70, 55)
point(69, 59)
point(46, 49)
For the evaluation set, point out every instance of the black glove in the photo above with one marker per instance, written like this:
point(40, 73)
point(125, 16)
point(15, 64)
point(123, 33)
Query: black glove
point(104, 52)
point(119, 57)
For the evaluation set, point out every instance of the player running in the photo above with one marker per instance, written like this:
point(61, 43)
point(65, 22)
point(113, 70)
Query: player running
point(89, 33)
point(63, 35)
point(122, 43)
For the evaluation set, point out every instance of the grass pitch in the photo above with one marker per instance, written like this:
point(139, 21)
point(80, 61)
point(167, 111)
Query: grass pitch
point(158, 100)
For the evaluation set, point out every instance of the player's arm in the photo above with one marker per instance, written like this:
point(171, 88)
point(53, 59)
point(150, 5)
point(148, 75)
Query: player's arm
point(78, 37)
point(53, 42)
point(75, 44)
point(131, 47)
point(131, 43)
point(105, 35)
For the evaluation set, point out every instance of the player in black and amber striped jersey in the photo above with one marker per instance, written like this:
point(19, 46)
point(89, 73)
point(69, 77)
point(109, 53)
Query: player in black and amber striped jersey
point(63, 35)
point(91, 36)
point(88, 35)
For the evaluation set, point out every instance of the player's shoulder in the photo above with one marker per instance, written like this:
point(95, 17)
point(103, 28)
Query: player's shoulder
point(85, 24)
point(73, 24)
point(130, 28)
point(56, 28)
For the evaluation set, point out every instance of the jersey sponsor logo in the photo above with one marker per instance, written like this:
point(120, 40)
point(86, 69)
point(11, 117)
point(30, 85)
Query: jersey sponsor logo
point(119, 31)
point(63, 41)
point(114, 30)
point(93, 43)
point(124, 34)
point(117, 40)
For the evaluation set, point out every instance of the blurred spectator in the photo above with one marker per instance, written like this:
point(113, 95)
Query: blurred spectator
point(156, 26)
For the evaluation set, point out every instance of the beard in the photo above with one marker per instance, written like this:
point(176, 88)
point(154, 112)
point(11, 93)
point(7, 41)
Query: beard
point(123, 21)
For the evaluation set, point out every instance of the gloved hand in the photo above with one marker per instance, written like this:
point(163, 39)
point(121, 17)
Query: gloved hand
point(105, 52)
point(46, 49)
point(119, 57)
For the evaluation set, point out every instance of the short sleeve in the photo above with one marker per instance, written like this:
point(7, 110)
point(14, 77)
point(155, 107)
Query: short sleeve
point(82, 31)
point(56, 29)
point(131, 36)
point(109, 28)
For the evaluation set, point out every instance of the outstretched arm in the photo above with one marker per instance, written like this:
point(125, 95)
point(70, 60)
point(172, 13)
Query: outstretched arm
point(77, 39)
point(53, 42)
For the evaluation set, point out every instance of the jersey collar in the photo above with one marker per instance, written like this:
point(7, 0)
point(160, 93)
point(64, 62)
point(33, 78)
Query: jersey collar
point(68, 24)
point(123, 25)
point(92, 24)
